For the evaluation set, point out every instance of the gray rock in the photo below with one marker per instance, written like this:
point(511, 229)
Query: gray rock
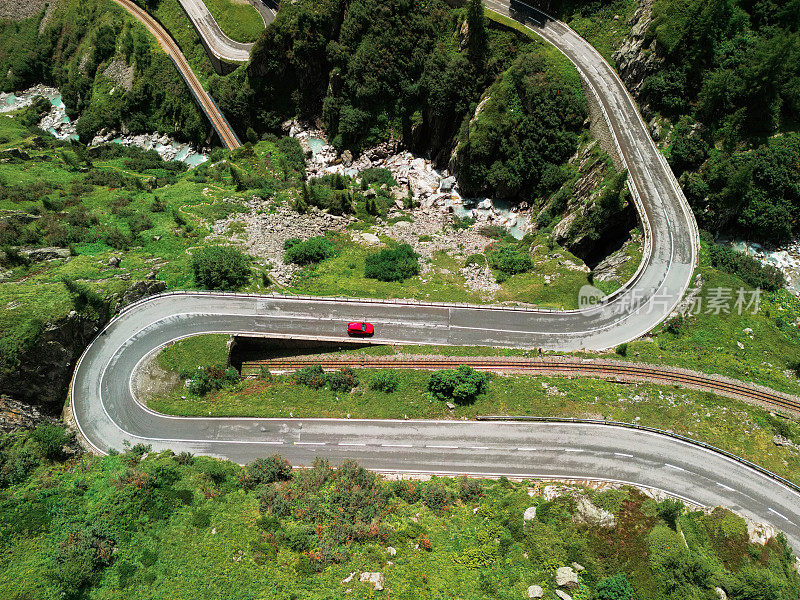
point(578, 567)
point(40, 254)
point(563, 595)
point(586, 513)
point(530, 514)
point(721, 593)
point(566, 577)
point(451, 406)
point(535, 591)
point(141, 289)
point(370, 193)
point(391, 551)
point(371, 238)
point(376, 579)
point(446, 184)
point(114, 261)
point(347, 158)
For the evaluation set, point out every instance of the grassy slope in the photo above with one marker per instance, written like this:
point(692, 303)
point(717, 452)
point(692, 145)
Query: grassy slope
point(237, 18)
point(187, 530)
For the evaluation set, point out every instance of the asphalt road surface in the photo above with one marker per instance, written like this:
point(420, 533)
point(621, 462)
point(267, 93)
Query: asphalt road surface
point(216, 41)
point(107, 412)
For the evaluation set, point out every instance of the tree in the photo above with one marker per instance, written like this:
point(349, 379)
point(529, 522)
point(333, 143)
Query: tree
point(670, 510)
point(462, 384)
point(221, 268)
point(615, 587)
point(51, 440)
point(312, 250)
point(476, 22)
point(392, 264)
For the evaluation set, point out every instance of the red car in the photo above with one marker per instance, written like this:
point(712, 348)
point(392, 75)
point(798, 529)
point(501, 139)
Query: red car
point(363, 329)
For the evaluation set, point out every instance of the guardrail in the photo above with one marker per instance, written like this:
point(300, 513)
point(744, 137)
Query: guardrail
point(622, 424)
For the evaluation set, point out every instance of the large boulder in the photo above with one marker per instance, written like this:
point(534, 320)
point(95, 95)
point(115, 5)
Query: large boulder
point(566, 577)
point(530, 515)
point(535, 591)
point(586, 513)
point(376, 579)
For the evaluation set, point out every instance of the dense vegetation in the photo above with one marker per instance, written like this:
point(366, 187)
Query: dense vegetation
point(222, 268)
point(729, 77)
point(416, 71)
point(169, 526)
point(73, 49)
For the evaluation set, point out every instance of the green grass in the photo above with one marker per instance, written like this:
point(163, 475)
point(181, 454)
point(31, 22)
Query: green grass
point(237, 18)
point(186, 355)
point(732, 425)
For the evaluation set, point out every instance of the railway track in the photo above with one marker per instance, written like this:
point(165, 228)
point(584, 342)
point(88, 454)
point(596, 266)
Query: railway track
point(563, 367)
point(218, 121)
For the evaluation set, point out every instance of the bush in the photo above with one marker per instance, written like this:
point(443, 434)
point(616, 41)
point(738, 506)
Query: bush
point(378, 176)
point(615, 587)
point(469, 489)
point(313, 377)
point(312, 250)
point(462, 384)
point(213, 378)
point(392, 264)
point(51, 440)
point(509, 259)
point(265, 471)
point(384, 381)
point(750, 270)
point(670, 510)
point(622, 349)
point(343, 380)
point(436, 496)
point(220, 268)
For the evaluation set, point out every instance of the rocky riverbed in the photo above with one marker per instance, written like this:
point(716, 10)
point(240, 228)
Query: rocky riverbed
point(57, 123)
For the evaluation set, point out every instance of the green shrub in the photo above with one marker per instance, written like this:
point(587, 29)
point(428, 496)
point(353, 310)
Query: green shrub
point(509, 259)
point(312, 376)
point(462, 385)
point(213, 378)
point(392, 264)
point(378, 176)
point(343, 380)
point(470, 489)
point(436, 496)
point(670, 510)
point(622, 349)
point(384, 381)
point(220, 268)
point(615, 587)
point(51, 440)
point(750, 270)
point(265, 471)
point(312, 250)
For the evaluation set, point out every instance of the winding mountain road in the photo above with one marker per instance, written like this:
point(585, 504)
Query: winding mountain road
point(107, 413)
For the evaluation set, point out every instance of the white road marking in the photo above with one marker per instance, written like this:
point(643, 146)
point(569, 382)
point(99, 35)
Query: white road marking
point(526, 449)
point(725, 487)
point(351, 444)
point(623, 454)
point(273, 443)
point(573, 450)
point(397, 445)
point(674, 467)
point(442, 447)
point(777, 513)
point(309, 443)
point(477, 447)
